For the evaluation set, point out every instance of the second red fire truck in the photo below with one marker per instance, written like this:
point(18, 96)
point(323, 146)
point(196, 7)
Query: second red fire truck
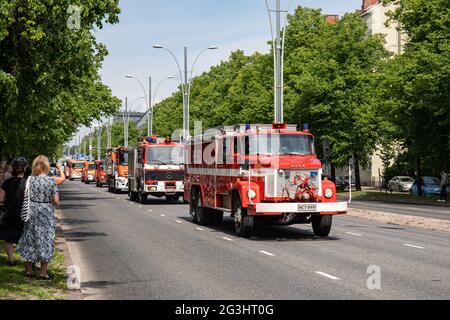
point(260, 174)
point(100, 173)
point(117, 169)
point(156, 168)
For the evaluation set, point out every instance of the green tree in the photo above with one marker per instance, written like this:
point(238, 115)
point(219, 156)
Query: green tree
point(414, 87)
point(330, 76)
point(49, 81)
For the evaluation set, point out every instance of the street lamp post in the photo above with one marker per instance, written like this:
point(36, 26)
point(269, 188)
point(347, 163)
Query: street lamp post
point(154, 95)
point(278, 41)
point(185, 83)
point(149, 124)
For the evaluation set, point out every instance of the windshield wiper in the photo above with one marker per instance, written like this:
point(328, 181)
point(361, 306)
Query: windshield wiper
point(158, 162)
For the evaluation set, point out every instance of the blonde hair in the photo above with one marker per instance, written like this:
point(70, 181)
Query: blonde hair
point(41, 165)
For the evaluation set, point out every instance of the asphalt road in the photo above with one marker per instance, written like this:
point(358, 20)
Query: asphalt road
point(130, 251)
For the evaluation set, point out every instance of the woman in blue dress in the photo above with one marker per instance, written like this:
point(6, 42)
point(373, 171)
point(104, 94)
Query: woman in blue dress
point(36, 243)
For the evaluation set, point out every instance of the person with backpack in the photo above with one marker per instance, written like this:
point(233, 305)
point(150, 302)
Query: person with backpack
point(12, 194)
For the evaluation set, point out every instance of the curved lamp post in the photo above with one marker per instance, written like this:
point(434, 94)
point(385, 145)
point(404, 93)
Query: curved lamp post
point(149, 125)
point(185, 86)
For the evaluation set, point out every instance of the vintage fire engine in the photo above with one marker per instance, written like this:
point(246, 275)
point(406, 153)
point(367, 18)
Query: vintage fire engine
point(100, 173)
point(156, 168)
point(261, 174)
point(88, 172)
point(117, 169)
point(75, 167)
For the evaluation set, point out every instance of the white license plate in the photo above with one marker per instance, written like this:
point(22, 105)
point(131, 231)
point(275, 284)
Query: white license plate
point(307, 207)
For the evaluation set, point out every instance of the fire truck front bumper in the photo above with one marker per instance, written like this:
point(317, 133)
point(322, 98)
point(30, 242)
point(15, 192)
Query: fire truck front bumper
point(166, 187)
point(298, 207)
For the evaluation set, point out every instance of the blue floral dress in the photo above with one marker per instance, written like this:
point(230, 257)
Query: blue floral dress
point(36, 243)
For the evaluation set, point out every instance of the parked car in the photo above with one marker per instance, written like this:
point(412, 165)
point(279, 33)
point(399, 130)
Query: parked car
point(430, 186)
point(400, 183)
point(342, 183)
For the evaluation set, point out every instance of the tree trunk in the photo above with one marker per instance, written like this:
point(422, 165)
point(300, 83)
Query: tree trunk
point(357, 176)
point(418, 175)
point(333, 172)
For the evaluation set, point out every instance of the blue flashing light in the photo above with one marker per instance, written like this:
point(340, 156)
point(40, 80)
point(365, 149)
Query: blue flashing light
point(306, 128)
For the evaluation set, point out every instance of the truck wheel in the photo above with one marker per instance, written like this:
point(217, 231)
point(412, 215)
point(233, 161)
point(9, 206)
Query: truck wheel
point(192, 210)
point(142, 198)
point(321, 225)
point(203, 214)
point(243, 224)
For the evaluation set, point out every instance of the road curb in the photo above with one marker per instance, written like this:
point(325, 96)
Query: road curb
point(402, 220)
point(61, 244)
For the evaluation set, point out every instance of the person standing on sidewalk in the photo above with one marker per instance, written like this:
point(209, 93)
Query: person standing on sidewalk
point(444, 184)
point(36, 243)
point(12, 194)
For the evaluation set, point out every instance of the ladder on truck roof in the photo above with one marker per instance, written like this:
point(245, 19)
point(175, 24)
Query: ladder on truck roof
point(213, 133)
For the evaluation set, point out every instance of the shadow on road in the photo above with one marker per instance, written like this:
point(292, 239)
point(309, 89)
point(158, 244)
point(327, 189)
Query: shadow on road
point(266, 232)
point(68, 206)
point(80, 236)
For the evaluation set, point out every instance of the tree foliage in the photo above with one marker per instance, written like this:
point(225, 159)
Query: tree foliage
point(414, 87)
point(49, 81)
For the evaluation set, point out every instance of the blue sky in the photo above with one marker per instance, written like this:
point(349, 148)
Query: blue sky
point(197, 24)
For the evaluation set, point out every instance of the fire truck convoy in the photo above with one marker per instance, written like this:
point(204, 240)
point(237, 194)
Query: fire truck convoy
point(117, 169)
point(75, 167)
point(156, 169)
point(260, 174)
point(100, 173)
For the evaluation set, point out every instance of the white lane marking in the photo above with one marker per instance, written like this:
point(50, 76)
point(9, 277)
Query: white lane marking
point(327, 275)
point(266, 253)
point(179, 221)
point(150, 210)
point(139, 206)
point(226, 238)
point(198, 228)
point(413, 246)
point(354, 234)
point(162, 215)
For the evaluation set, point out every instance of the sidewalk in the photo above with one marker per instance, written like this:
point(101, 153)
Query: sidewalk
point(396, 198)
point(14, 286)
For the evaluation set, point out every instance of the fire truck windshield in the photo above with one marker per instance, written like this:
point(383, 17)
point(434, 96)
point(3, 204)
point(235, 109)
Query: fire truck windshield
point(91, 167)
point(279, 144)
point(165, 155)
point(123, 157)
point(77, 165)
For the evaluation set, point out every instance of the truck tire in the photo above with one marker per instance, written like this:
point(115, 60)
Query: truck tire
point(321, 225)
point(142, 198)
point(243, 224)
point(203, 214)
point(192, 211)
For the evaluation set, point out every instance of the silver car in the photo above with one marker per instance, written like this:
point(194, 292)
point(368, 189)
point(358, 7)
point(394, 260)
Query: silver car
point(400, 183)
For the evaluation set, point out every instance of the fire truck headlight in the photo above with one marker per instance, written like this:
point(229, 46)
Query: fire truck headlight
point(251, 194)
point(328, 193)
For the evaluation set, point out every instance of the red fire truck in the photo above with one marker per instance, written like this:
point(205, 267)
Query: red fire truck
point(100, 173)
point(117, 169)
point(156, 168)
point(260, 174)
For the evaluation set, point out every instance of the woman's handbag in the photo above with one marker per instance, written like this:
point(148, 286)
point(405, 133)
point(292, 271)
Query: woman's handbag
point(26, 207)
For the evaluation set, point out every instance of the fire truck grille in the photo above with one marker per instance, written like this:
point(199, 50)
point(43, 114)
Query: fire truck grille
point(165, 175)
point(276, 181)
